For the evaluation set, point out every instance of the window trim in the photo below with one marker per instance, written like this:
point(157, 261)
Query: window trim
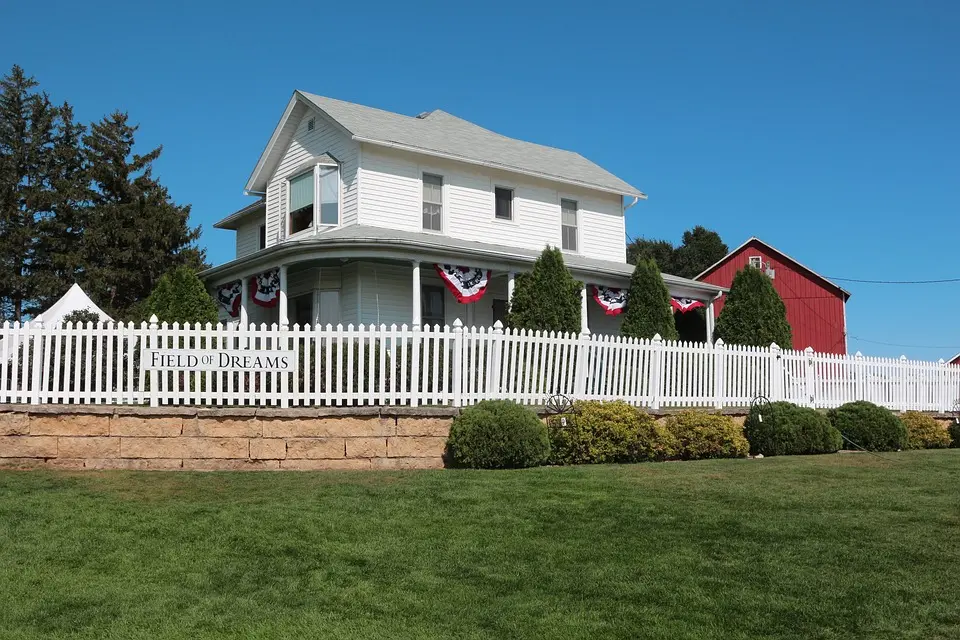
point(759, 260)
point(428, 171)
point(513, 198)
point(560, 198)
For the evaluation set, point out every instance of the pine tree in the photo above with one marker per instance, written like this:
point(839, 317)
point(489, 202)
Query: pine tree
point(181, 297)
point(547, 298)
point(701, 248)
point(135, 232)
point(753, 313)
point(648, 304)
point(661, 251)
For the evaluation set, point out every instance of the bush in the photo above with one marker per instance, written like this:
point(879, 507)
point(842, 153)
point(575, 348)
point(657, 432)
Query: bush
point(181, 297)
point(753, 312)
point(923, 432)
point(703, 435)
point(648, 305)
point(954, 430)
point(547, 298)
point(869, 426)
point(497, 434)
point(598, 432)
point(787, 429)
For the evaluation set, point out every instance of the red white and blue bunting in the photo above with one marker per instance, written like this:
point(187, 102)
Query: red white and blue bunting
point(612, 299)
point(685, 304)
point(228, 295)
point(266, 288)
point(467, 284)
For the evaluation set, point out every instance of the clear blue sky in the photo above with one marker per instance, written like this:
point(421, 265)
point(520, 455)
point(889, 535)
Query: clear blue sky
point(829, 129)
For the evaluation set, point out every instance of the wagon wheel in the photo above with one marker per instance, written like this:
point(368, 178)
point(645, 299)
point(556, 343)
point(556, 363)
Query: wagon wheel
point(558, 404)
point(760, 403)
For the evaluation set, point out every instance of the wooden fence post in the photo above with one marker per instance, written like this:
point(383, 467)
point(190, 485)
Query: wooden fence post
point(776, 372)
point(582, 370)
point(940, 396)
point(655, 371)
point(36, 347)
point(810, 376)
point(152, 343)
point(859, 382)
point(719, 372)
point(415, 383)
point(496, 344)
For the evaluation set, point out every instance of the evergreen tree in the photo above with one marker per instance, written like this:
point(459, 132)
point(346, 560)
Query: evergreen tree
point(181, 297)
point(753, 312)
point(660, 251)
point(27, 125)
point(135, 232)
point(648, 304)
point(701, 249)
point(547, 298)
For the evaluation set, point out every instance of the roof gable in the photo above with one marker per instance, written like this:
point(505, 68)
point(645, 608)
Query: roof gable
point(753, 240)
point(440, 134)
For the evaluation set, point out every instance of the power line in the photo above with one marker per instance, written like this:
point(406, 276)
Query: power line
point(894, 281)
point(908, 346)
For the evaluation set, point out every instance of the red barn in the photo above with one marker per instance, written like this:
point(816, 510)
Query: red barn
point(816, 307)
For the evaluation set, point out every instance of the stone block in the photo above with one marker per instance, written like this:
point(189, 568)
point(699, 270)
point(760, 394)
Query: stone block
point(423, 426)
point(315, 448)
point(14, 424)
point(213, 464)
point(184, 447)
point(268, 449)
point(65, 463)
point(90, 424)
point(139, 464)
point(150, 426)
point(223, 427)
point(20, 463)
point(28, 447)
point(416, 447)
point(407, 463)
point(92, 447)
point(325, 465)
point(328, 427)
point(366, 447)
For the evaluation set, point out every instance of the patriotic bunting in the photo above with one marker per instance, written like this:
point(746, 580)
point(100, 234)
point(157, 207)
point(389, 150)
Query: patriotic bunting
point(467, 284)
point(685, 304)
point(612, 300)
point(228, 295)
point(266, 288)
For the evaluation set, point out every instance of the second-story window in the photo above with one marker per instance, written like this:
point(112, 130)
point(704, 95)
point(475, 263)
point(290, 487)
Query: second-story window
point(329, 195)
point(568, 224)
point(263, 236)
point(301, 202)
point(504, 203)
point(432, 202)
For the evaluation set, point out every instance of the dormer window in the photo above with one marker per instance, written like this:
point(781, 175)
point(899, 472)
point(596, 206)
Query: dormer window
point(313, 195)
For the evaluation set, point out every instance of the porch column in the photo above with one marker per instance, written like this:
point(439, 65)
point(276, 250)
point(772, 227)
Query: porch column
point(710, 322)
point(511, 283)
point(284, 316)
point(244, 301)
point(417, 318)
point(584, 325)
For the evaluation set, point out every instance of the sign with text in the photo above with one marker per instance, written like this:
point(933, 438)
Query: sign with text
point(242, 360)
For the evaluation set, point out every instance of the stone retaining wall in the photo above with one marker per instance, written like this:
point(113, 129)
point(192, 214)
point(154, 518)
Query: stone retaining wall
point(92, 437)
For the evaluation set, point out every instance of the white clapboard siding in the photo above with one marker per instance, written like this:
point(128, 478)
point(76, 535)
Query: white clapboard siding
point(376, 364)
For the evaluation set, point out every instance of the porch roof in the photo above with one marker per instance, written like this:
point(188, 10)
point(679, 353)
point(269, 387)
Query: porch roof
point(361, 241)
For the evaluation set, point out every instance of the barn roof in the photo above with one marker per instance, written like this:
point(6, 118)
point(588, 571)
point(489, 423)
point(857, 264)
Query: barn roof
point(783, 257)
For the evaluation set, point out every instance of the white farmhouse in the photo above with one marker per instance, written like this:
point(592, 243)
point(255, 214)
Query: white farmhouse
point(357, 207)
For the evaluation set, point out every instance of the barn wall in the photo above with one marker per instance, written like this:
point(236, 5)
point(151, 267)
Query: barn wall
point(815, 312)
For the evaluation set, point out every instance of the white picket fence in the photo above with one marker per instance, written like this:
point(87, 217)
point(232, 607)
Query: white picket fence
point(445, 366)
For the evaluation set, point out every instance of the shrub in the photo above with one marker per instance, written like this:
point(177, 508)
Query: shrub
point(753, 312)
point(81, 317)
point(547, 298)
point(784, 429)
point(923, 432)
point(181, 297)
point(869, 426)
point(703, 435)
point(648, 304)
point(954, 430)
point(598, 432)
point(497, 434)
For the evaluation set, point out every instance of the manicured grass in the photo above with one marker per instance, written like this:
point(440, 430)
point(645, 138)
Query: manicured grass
point(837, 546)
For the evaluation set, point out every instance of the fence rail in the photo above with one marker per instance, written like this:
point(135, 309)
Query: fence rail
point(368, 365)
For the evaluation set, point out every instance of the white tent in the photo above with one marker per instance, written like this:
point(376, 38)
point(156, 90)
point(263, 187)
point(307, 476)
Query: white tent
point(73, 300)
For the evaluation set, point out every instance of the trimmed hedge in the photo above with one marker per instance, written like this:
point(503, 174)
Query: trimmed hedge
point(497, 434)
point(784, 429)
point(869, 426)
point(923, 432)
point(598, 432)
point(703, 435)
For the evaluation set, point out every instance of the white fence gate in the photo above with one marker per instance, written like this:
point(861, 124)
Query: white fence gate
point(451, 366)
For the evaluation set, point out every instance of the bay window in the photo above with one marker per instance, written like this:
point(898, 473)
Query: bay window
point(314, 197)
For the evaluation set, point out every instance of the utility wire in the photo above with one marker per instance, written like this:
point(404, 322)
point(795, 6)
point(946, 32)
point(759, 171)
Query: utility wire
point(908, 346)
point(894, 281)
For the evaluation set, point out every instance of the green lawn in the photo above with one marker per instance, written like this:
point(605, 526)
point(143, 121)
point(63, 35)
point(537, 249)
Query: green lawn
point(836, 546)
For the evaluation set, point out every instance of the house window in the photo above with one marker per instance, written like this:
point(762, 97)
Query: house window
point(302, 307)
point(329, 195)
point(263, 236)
point(500, 312)
point(431, 306)
point(568, 224)
point(756, 262)
point(329, 308)
point(504, 203)
point(301, 202)
point(432, 202)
